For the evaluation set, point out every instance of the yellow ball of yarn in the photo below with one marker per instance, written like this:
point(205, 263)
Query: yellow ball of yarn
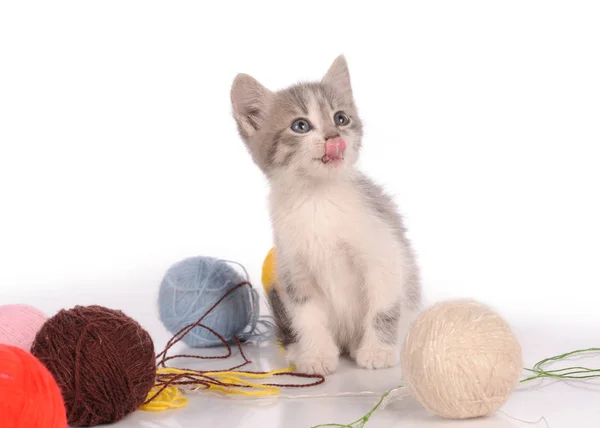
point(269, 274)
point(461, 359)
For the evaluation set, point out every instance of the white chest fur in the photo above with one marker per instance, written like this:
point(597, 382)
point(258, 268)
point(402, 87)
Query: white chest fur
point(317, 222)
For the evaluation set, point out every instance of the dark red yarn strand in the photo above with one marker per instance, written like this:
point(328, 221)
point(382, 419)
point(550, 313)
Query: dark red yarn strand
point(197, 377)
point(162, 356)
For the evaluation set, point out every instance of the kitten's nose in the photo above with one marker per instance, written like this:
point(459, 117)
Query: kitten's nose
point(335, 147)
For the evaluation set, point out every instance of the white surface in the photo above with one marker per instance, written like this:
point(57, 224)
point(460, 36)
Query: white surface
point(119, 157)
point(562, 404)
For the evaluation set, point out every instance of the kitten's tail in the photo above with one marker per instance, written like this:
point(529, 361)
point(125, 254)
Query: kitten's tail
point(284, 330)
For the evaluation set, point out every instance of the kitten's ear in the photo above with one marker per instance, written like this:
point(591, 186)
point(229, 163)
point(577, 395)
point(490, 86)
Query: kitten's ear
point(250, 101)
point(338, 76)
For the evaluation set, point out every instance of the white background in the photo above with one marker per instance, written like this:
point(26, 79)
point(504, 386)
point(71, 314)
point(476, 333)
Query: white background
point(119, 156)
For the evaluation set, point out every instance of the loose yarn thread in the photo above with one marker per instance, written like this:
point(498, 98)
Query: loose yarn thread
point(166, 392)
point(386, 397)
point(260, 328)
point(566, 373)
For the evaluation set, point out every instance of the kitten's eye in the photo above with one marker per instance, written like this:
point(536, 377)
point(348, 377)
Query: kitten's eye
point(301, 126)
point(341, 119)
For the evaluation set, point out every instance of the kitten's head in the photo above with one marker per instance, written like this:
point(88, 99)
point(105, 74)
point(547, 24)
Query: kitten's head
point(309, 129)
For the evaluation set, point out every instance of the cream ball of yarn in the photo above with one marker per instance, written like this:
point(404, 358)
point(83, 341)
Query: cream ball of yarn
point(461, 359)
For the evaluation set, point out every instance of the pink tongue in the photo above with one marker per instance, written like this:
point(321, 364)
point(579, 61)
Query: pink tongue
point(335, 147)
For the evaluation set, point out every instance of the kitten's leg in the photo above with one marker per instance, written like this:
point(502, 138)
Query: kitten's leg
point(314, 350)
point(387, 321)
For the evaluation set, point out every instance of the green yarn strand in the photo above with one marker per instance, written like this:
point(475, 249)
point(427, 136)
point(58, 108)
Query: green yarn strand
point(571, 373)
point(361, 422)
point(564, 373)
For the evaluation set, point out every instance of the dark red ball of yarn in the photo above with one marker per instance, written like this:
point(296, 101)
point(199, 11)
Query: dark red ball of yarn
point(102, 360)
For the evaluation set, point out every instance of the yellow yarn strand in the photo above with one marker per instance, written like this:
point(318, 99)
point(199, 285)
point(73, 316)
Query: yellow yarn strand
point(171, 397)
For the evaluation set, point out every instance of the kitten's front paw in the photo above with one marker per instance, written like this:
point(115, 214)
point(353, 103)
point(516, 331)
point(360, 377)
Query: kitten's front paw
point(316, 361)
point(377, 357)
point(317, 364)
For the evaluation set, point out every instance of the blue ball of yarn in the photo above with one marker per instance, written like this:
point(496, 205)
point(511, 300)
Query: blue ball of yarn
point(192, 286)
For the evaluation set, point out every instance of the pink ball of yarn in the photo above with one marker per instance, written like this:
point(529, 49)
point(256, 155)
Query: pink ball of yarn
point(19, 324)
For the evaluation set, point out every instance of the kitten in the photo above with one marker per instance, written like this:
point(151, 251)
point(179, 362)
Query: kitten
point(348, 281)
